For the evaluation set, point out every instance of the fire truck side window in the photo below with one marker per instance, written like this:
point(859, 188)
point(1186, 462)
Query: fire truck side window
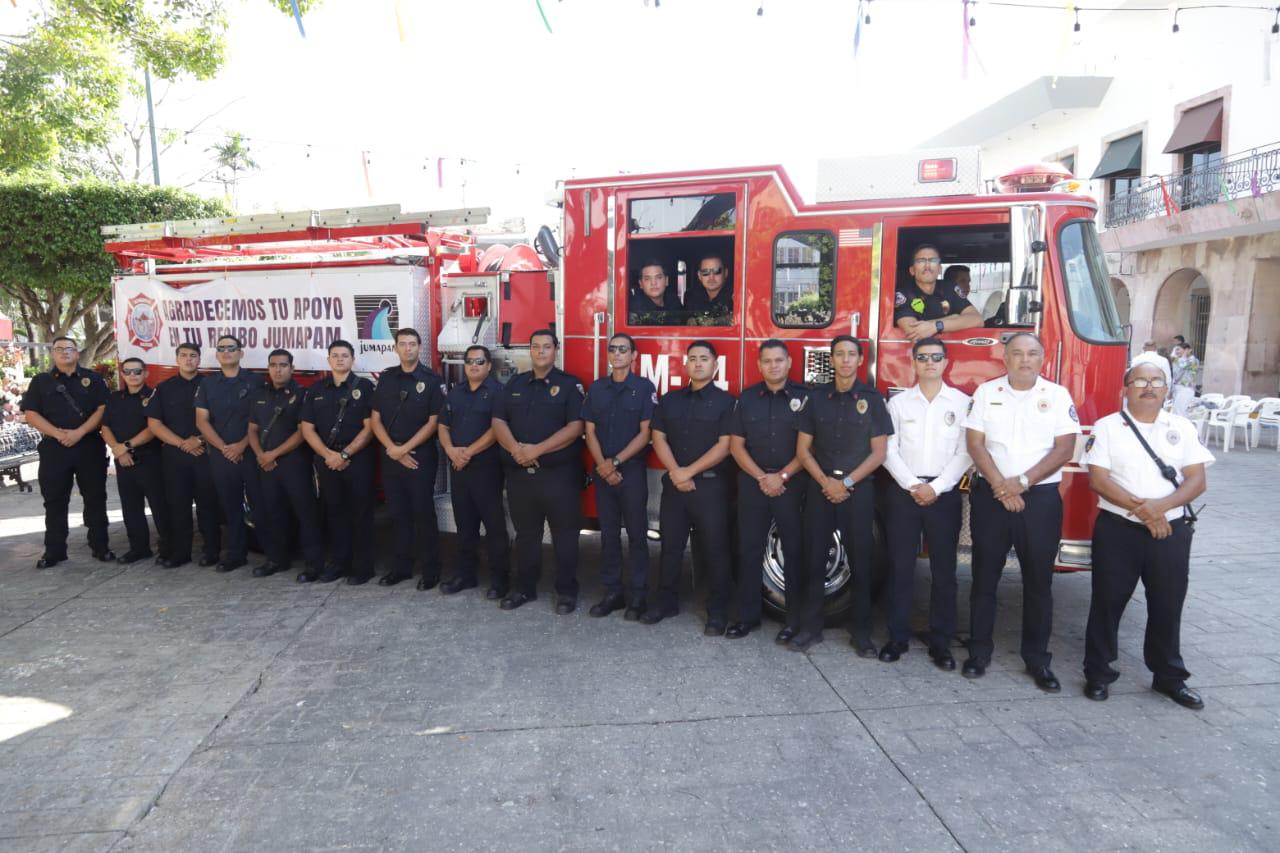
point(804, 276)
point(681, 281)
point(679, 214)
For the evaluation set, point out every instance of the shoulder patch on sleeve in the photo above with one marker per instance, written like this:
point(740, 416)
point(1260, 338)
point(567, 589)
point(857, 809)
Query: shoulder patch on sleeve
point(969, 410)
point(899, 299)
point(1088, 445)
point(579, 387)
point(654, 397)
point(1071, 410)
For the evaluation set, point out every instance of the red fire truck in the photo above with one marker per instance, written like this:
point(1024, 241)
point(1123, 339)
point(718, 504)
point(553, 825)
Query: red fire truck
point(799, 272)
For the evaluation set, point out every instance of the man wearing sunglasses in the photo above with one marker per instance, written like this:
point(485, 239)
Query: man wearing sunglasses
point(222, 416)
point(475, 489)
point(171, 417)
point(925, 306)
point(926, 456)
point(66, 404)
point(617, 412)
point(710, 300)
point(1143, 531)
point(139, 477)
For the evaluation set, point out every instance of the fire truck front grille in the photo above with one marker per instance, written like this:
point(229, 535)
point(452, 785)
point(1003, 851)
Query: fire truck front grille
point(817, 365)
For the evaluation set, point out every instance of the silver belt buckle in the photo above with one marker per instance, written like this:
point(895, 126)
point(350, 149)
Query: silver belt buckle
point(531, 470)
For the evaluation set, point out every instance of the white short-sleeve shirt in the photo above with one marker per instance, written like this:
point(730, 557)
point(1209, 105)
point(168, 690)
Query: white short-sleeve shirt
point(928, 438)
point(1020, 426)
point(1114, 446)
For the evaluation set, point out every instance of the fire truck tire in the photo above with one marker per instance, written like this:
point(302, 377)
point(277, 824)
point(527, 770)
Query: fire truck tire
point(839, 594)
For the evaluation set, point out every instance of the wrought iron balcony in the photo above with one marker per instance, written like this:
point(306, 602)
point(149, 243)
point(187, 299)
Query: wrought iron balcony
point(1235, 177)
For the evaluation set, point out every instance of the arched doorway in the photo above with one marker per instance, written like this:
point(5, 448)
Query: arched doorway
point(1121, 295)
point(1182, 308)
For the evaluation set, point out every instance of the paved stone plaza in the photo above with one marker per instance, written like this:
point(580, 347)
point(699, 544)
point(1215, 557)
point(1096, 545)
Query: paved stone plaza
point(144, 709)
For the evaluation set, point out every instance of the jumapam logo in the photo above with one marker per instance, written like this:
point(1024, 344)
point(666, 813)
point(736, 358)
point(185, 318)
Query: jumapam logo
point(143, 322)
point(377, 318)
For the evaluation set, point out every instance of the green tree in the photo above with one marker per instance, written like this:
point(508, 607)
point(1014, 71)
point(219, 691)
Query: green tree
point(52, 263)
point(233, 161)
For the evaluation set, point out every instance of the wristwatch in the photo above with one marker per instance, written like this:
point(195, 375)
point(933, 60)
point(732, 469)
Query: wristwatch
point(939, 325)
point(1022, 478)
point(784, 475)
point(616, 463)
point(346, 457)
point(128, 445)
point(847, 482)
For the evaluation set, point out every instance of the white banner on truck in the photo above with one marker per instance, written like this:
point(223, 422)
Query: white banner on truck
point(298, 310)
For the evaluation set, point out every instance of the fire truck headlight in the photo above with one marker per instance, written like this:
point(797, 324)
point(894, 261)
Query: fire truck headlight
point(1076, 553)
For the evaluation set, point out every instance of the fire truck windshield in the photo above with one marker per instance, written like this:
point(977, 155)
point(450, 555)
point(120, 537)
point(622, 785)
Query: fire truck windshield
point(1088, 286)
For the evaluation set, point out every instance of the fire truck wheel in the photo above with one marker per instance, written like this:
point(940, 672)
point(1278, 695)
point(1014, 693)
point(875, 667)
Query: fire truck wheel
point(838, 596)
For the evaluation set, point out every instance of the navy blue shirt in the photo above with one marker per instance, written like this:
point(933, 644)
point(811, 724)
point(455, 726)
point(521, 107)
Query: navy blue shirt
point(911, 301)
point(65, 400)
point(693, 421)
point(338, 412)
point(276, 412)
point(536, 409)
point(226, 399)
point(843, 423)
point(406, 401)
point(126, 416)
point(469, 414)
point(770, 422)
point(617, 409)
point(174, 405)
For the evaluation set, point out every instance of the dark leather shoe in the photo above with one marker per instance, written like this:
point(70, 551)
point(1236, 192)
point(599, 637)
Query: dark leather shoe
point(516, 599)
point(804, 640)
point(784, 636)
point(566, 605)
point(308, 576)
point(230, 565)
point(425, 583)
point(1095, 690)
point(206, 561)
point(132, 557)
point(738, 630)
point(171, 563)
point(107, 556)
point(607, 605)
point(456, 585)
point(392, 579)
point(1183, 695)
point(330, 575)
point(655, 615)
point(47, 562)
point(892, 652)
point(359, 579)
point(1045, 679)
point(714, 628)
point(866, 648)
point(943, 661)
point(973, 669)
point(266, 570)
point(635, 611)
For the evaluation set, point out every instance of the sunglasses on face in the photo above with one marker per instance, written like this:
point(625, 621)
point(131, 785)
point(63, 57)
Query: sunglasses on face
point(478, 362)
point(228, 348)
point(132, 371)
point(711, 271)
point(621, 349)
point(925, 357)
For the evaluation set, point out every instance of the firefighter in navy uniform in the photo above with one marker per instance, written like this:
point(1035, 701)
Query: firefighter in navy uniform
point(771, 484)
point(538, 424)
point(284, 467)
point(1021, 430)
point(171, 416)
point(1143, 531)
point(926, 306)
point(406, 410)
point(66, 405)
point(139, 477)
point(691, 429)
point(222, 416)
point(335, 417)
point(927, 457)
point(842, 441)
point(617, 412)
point(466, 435)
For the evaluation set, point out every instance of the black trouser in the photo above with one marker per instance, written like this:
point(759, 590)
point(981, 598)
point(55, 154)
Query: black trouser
point(411, 501)
point(756, 512)
point(85, 466)
point(347, 496)
point(940, 523)
point(476, 495)
point(705, 513)
point(140, 484)
point(1033, 534)
point(549, 495)
point(290, 487)
point(1124, 552)
point(188, 478)
point(234, 481)
point(624, 505)
point(854, 519)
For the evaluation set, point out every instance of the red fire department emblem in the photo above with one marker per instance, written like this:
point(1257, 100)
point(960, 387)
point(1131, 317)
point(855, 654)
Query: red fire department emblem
point(143, 322)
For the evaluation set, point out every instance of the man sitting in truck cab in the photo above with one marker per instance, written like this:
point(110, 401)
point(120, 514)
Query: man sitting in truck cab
point(710, 301)
point(652, 304)
point(926, 306)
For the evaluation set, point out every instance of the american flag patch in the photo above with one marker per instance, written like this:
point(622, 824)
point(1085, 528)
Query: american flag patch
point(855, 237)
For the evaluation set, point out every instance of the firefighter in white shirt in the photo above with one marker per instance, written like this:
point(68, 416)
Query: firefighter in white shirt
point(1022, 429)
point(1143, 531)
point(926, 455)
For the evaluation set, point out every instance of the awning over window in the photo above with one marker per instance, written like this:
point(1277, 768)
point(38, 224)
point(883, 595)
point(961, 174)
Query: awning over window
point(1122, 155)
point(1198, 125)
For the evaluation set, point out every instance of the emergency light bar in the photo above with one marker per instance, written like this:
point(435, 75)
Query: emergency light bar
point(301, 220)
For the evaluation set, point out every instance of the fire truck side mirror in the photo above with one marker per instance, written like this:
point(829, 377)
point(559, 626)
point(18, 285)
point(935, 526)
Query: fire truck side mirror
point(1038, 246)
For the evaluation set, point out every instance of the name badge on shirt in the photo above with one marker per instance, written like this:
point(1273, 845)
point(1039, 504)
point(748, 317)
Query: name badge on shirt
point(355, 394)
point(1173, 436)
point(949, 419)
point(555, 389)
point(795, 404)
point(862, 407)
point(85, 381)
point(420, 387)
point(1042, 404)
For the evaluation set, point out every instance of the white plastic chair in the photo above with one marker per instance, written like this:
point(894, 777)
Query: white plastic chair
point(1226, 420)
point(1214, 398)
point(1268, 411)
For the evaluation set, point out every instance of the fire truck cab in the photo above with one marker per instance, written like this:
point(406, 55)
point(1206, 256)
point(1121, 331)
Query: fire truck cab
point(803, 273)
